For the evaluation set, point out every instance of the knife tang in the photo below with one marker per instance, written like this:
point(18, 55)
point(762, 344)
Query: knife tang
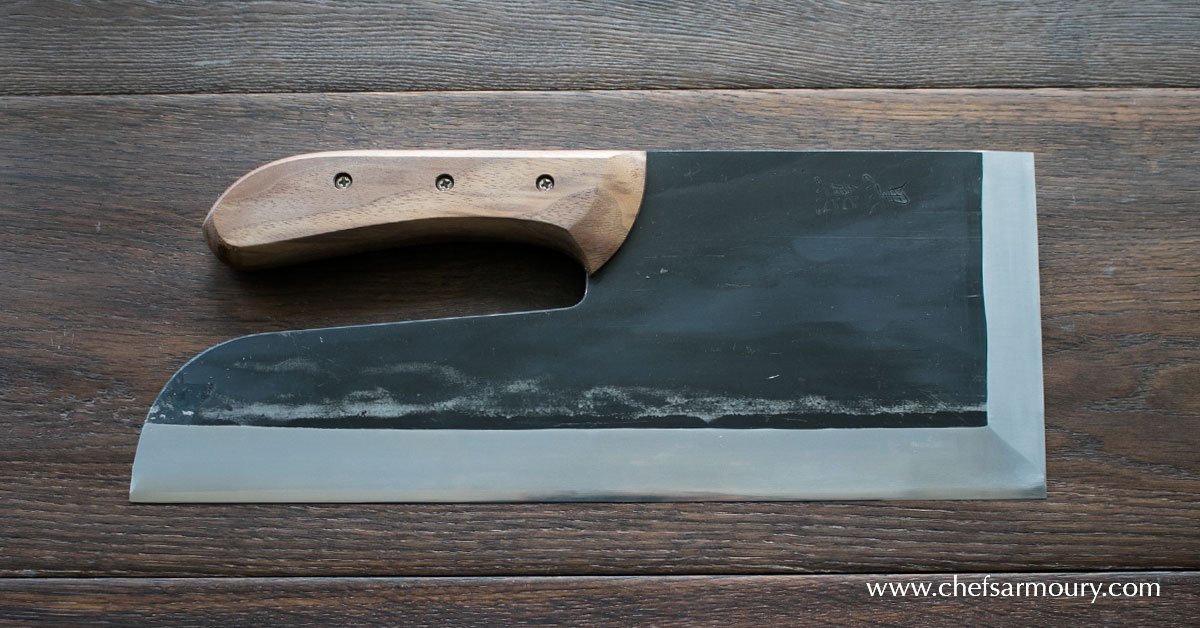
point(324, 204)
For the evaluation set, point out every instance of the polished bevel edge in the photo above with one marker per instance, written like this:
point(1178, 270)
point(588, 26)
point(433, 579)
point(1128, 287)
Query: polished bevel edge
point(1005, 459)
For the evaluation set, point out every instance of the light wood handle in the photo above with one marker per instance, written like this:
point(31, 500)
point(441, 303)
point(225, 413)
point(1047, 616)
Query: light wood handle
point(324, 204)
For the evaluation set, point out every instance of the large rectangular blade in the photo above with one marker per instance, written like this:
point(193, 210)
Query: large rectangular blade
point(778, 325)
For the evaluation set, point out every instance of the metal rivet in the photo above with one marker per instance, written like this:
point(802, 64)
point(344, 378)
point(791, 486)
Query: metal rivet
point(545, 183)
point(444, 182)
point(342, 180)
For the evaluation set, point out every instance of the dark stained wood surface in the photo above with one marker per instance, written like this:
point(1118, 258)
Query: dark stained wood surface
point(107, 287)
point(676, 601)
point(62, 47)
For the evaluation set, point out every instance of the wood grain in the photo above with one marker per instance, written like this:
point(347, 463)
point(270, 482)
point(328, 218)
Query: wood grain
point(72, 47)
point(108, 287)
point(318, 205)
point(674, 601)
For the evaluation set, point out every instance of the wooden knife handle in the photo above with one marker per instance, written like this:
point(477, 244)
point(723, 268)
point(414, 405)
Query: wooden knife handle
point(324, 204)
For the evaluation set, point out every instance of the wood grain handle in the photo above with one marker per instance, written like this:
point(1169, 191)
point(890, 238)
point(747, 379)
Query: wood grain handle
point(324, 204)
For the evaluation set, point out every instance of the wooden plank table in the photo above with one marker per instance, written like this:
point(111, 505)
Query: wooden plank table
point(121, 123)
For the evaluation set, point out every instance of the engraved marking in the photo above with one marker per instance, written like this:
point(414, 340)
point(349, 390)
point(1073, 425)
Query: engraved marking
point(867, 196)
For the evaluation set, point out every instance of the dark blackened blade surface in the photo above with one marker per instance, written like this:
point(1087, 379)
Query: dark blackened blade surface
point(757, 290)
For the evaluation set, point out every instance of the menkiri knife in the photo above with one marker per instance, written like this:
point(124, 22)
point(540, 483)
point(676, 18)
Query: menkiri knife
point(756, 326)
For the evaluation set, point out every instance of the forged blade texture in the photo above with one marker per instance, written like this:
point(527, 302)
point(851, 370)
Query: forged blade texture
point(756, 290)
